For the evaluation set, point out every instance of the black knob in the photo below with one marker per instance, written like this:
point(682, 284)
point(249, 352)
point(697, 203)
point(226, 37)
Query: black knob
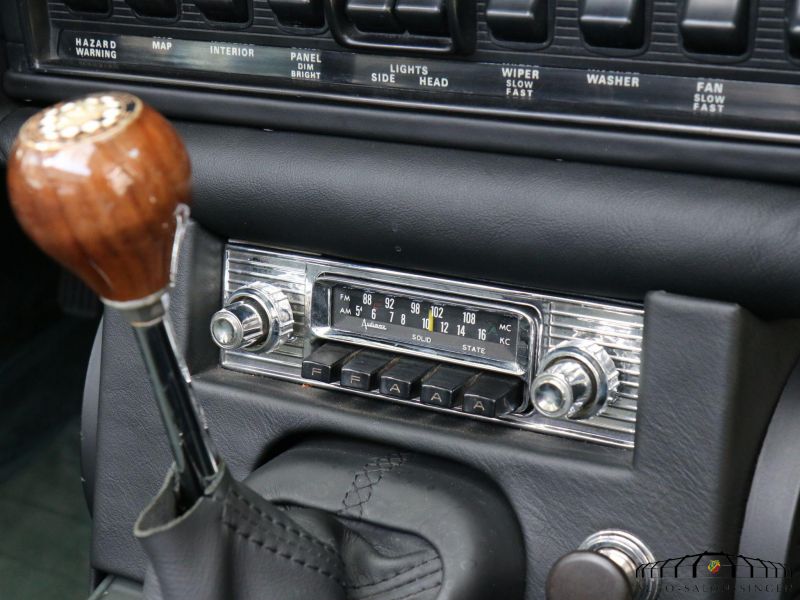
point(586, 575)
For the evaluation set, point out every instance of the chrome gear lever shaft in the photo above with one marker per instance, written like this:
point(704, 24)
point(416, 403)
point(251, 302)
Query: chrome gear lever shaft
point(98, 183)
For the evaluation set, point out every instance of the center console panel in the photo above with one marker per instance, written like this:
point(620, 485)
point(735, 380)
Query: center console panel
point(694, 423)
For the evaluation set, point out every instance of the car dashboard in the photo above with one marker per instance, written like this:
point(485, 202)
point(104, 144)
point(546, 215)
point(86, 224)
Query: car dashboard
point(550, 241)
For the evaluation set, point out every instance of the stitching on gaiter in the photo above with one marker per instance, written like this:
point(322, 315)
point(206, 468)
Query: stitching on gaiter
point(288, 528)
point(400, 586)
point(393, 575)
point(286, 556)
point(258, 526)
point(418, 592)
point(366, 479)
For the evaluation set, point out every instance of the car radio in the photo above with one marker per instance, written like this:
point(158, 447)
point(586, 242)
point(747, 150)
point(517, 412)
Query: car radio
point(710, 67)
point(534, 361)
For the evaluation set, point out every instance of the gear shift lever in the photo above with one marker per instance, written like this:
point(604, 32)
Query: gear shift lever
point(97, 183)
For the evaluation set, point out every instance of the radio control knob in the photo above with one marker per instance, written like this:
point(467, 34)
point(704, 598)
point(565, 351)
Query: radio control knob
point(576, 380)
point(257, 317)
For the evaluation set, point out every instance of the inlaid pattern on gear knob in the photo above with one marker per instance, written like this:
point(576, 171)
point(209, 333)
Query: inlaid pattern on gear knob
point(96, 183)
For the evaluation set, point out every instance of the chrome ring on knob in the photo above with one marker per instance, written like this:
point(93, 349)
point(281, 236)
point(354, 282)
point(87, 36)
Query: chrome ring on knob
point(631, 555)
point(576, 380)
point(238, 325)
point(257, 317)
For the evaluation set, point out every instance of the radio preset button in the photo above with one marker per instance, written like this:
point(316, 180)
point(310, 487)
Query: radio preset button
point(715, 26)
point(299, 13)
point(362, 370)
point(444, 386)
point(403, 378)
point(325, 363)
point(373, 15)
point(493, 396)
point(612, 23)
point(518, 20)
point(423, 17)
point(165, 9)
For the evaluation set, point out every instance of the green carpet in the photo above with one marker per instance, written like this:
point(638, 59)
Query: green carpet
point(44, 524)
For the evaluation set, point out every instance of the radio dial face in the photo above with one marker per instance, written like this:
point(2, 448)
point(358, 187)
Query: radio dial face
point(435, 324)
point(454, 329)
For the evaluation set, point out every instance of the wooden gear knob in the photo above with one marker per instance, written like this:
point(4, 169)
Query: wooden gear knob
point(96, 183)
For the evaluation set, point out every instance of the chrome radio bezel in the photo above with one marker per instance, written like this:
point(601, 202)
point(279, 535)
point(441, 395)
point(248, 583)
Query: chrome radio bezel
point(616, 326)
point(529, 319)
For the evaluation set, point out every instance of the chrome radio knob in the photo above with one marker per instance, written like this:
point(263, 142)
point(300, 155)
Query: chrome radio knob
point(576, 380)
point(255, 317)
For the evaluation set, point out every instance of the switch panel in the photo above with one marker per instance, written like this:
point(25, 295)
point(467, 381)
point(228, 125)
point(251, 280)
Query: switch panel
point(518, 20)
point(715, 26)
point(721, 69)
point(612, 23)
